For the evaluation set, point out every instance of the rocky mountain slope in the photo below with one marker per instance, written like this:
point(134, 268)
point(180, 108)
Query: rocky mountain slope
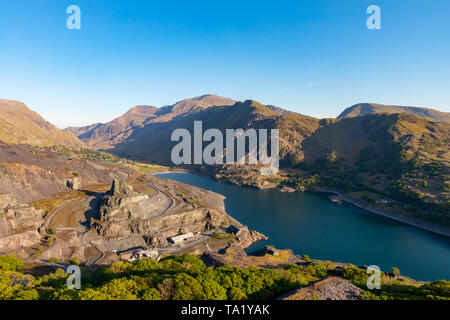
point(107, 136)
point(18, 124)
point(151, 141)
point(27, 173)
point(362, 109)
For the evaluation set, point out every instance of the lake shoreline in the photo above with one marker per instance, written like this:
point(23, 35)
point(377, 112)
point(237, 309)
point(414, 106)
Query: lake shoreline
point(421, 224)
point(441, 230)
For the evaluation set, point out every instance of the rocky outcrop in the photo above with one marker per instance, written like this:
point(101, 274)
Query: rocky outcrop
point(28, 174)
point(248, 237)
point(332, 288)
point(124, 213)
point(66, 246)
point(157, 229)
point(19, 227)
point(121, 203)
point(15, 219)
point(74, 183)
point(19, 240)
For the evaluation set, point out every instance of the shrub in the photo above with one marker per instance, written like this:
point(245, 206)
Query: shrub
point(151, 294)
point(306, 258)
point(10, 263)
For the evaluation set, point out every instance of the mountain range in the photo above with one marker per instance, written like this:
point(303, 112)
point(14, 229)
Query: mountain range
point(401, 152)
point(144, 132)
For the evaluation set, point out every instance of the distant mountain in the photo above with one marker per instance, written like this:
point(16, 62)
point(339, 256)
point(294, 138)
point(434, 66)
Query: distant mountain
point(347, 138)
point(20, 125)
point(362, 109)
point(106, 136)
point(115, 129)
point(150, 140)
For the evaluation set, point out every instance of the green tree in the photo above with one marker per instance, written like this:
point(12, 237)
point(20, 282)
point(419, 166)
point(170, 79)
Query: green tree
point(151, 294)
point(187, 288)
point(236, 294)
point(11, 263)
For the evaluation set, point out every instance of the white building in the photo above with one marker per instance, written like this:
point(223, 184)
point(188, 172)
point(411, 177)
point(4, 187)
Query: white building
point(180, 238)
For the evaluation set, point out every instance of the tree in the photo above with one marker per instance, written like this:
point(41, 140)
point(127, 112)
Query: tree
point(306, 258)
point(120, 289)
point(11, 263)
point(187, 288)
point(236, 294)
point(151, 294)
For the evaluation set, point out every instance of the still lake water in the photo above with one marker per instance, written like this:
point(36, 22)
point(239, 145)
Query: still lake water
point(310, 224)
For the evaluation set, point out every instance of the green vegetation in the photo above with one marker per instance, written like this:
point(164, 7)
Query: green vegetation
point(187, 278)
point(176, 278)
point(222, 235)
point(51, 231)
point(83, 153)
point(398, 288)
point(306, 258)
point(9, 263)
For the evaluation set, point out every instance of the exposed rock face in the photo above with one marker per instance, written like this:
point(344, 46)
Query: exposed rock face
point(19, 240)
point(122, 203)
point(125, 212)
point(247, 237)
point(18, 227)
point(74, 183)
point(18, 218)
point(6, 200)
point(28, 174)
point(67, 245)
point(332, 288)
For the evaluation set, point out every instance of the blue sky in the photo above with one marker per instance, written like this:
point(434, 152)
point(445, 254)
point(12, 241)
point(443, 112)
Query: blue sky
point(314, 57)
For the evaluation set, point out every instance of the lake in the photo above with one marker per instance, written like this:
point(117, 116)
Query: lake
point(309, 223)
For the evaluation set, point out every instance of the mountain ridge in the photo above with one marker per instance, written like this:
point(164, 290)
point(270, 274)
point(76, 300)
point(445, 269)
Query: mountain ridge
point(19, 124)
point(362, 109)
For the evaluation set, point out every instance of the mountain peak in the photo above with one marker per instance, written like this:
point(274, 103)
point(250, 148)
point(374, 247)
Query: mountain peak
point(142, 110)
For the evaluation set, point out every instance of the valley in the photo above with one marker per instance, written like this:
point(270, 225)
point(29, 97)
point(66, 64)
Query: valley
point(107, 197)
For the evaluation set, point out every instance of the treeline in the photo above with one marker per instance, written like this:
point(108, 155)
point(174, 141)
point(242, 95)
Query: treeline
point(188, 278)
point(177, 278)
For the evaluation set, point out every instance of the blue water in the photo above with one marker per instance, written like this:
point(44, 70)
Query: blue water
point(310, 224)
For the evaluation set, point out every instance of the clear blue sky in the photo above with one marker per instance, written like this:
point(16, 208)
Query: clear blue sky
point(315, 57)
